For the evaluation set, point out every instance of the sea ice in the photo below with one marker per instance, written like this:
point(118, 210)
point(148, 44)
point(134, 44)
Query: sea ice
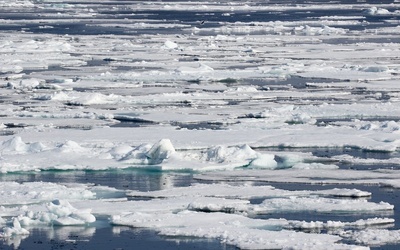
point(231, 93)
point(231, 229)
point(15, 229)
point(244, 192)
point(60, 212)
point(375, 237)
point(14, 193)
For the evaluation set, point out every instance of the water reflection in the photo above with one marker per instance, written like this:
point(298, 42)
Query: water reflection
point(15, 241)
point(117, 237)
point(128, 179)
point(70, 233)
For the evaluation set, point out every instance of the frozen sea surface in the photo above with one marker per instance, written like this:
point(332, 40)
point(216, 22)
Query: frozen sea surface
point(214, 125)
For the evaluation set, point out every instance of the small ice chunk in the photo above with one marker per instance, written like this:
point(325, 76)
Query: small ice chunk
point(302, 119)
point(391, 183)
point(338, 224)
point(160, 151)
point(170, 45)
point(14, 144)
point(288, 160)
point(222, 154)
point(376, 11)
point(121, 151)
point(344, 192)
point(16, 229)
point(71, 146)
point(376, 68)
point(264, 161)
point(314, 165)
point(194, 70)
point(68, 215)
point(375, 237)
point(319, 205)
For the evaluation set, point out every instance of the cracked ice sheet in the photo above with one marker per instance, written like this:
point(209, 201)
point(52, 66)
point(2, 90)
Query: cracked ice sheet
point(309, 176)
point(16, 193)
point(244, 192)
point(374, 237)
point(231, 229)
point(276, 200)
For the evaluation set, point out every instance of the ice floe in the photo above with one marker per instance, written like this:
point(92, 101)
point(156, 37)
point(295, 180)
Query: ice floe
point(376, 237)
point(60, 213)
point(246, 93)
point(225, 228)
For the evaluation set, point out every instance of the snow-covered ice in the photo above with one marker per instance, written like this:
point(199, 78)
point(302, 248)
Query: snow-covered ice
point(240, 96)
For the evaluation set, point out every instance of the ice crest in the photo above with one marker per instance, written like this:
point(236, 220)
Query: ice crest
point(60, 212)
point(170, 45)
point(160, 151)
point(15, 145)
point(376, 11)
point(15, 229)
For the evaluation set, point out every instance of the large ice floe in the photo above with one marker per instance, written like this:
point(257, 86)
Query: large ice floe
point(259, 124)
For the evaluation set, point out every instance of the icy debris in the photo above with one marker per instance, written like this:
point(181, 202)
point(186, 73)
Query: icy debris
point(71, 147)
point(14, 144)
point(27, 84)
point(264, 161)
point(68, 215)
point(196, 69)
point(15, 229)
point(160, 151)
point(375, 68)
point(80, 98)
point(344, 192)
point(315, 31)
point(314, 166)
point(121, 151)
point(386, 126)
point(93, 99)
point(391, 183)
point(374, 237)
point(17, 3)
point(11, 69)
point(302, 118)
point(221, 154)
point(60, 212)
point(170, 45)
point(34, 192)
point(161, 155)
point(322, 205)
point(164, 155)
point(288, 160)
point(339, 224)
point(57, 96)
point(376, 11)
